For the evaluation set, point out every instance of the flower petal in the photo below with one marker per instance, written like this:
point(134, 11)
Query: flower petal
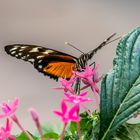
point(63, 107)
point(75, 118)
point(9, 109)
point(58, 113)
point(73, 110)
point(83, 94)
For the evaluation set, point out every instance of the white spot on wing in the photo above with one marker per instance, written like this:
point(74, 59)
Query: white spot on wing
point(13, 49)
point(21, 50)
point(40, 56)
point(20, 54)
point(40, 66)
point(23, 47)
point(13, 52)
point(47, 51)
point(31, 60)
point(34, 50)
point(23, 57)
point(39, 61)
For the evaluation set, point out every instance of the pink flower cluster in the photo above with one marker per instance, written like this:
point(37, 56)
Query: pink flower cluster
point(5, 131)
point(90, 79)
point(8, 110)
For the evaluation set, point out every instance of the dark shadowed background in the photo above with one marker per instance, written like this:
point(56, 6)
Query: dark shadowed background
point(50, 23)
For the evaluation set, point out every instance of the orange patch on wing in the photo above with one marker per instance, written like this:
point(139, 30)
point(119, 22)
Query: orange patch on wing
point(60, 69)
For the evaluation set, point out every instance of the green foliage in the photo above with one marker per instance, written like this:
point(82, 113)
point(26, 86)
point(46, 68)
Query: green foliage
point(89, 127)
point(128, 132)
point(120, 88)
point(22, 136)
point(48, 132)
point(51, 135)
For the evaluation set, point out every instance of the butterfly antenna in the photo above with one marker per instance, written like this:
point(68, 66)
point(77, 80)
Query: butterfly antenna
point(115, 39)
point(105, 42)
point(66, 43)
point(93, 63)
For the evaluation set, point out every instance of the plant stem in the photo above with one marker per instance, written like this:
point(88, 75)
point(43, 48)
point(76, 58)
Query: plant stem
point(96, 96)
point(78, 130)
point(12, 138)
point(39, 130)
point(63, 132)
point(78, 127)
point(15, 119)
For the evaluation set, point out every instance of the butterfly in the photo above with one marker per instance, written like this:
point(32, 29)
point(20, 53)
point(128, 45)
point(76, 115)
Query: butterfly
point(52, 63)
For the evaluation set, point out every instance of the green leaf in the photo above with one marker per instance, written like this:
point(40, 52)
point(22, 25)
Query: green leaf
point(89, 125)
point(128, 132)
point(73, 128)
point(51, 135)
point(120, 88)
point(22, 136)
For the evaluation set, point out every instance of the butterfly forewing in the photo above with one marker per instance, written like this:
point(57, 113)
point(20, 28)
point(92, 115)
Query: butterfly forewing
point(48, 61)
point(27, 52)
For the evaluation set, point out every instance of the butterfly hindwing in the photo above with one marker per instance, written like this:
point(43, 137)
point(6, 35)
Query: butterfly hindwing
point(56, 66)
point(48, 61)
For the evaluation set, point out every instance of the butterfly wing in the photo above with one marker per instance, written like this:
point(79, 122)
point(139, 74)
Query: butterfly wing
point(56, 65)
point(53, 63)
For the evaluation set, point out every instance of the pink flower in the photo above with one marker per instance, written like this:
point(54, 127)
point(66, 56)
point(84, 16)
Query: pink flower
point(35, 117)
point(34, 114)
point(5, 132)
point(67, 84)
point(90, 78)
point(68, 114)
point(77, 99)
point(9, 108)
